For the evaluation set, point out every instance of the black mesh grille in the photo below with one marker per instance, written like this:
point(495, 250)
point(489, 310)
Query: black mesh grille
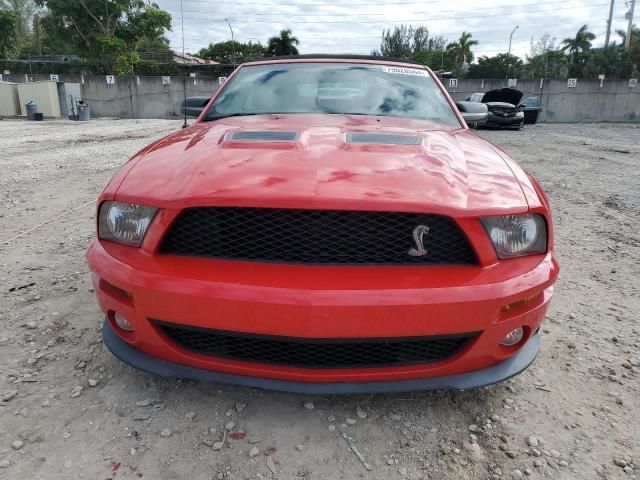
point(316, 236)
point(315, 353)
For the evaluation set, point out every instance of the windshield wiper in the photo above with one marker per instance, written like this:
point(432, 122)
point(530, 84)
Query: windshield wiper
point(210, 118)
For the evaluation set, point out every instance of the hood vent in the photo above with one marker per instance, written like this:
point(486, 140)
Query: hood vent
point(383, 138)
point(263, 136)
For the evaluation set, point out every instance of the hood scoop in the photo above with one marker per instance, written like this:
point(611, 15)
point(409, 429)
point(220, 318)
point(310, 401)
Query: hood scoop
point(383, 139)
point(262, 136)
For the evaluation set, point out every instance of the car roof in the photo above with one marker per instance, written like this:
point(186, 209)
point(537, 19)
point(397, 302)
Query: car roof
point(328, 58)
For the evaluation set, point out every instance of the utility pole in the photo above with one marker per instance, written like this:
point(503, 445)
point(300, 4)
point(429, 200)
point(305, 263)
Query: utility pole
point(627, 42)
point(511, 38)
point(36, 29)
point(233, 55)
point(184, 73)
point(509, 52)
point(606, 40)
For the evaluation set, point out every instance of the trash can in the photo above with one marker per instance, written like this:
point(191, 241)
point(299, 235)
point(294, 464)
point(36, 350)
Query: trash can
point(84, 115)
point(531, 115)
point(32, 108)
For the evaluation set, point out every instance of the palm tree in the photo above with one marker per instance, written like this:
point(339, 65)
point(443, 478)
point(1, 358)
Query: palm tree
point(581, 43)
point(284, 44)
point(461, 49)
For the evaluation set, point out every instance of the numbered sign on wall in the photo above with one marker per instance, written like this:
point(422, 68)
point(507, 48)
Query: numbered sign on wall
point(453, 83)
point(54, 77)
point(111, 79)
point(633, 82)
point(221, 80)
point(572, 82)
point(166, 80)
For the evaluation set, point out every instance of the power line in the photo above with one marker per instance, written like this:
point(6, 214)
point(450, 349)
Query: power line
point(297, 4)
point(387, 20)
point(378, 36)
point(341, 14)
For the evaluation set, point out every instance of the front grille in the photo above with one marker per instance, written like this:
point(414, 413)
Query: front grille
point(317, 236)
point(504, 112)
point(315, 353)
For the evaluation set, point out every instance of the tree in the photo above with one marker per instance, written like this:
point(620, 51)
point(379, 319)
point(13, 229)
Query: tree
point(407, 42)
point(232, 51)
point(615, 61)
point(580, 44)
point(461, 49)
point(634, 49)
point(433, 54)
point(284, 44)
point(144, 29)
point(23, 11)
point(502, 65)
point(545, 60)
point(104, 32)
point(398, 43)
point(8, 33)
point(634, 45)
point(548, 64)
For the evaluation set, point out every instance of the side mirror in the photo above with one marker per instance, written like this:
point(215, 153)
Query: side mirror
point(474, 113)
point(193, 106)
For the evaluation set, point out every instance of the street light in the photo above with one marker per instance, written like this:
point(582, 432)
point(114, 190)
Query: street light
point(233, 55)
point(511, 38)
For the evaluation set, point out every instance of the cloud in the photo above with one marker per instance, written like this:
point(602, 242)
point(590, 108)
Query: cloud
point(355, 27)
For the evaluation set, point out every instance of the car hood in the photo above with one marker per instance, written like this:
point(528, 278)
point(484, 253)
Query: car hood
point(323, 164)
point(504, 95)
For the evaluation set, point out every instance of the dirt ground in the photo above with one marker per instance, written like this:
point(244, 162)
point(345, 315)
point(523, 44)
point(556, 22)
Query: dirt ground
point(575, 414)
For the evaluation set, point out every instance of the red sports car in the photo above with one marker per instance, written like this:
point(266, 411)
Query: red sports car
point(327, 225)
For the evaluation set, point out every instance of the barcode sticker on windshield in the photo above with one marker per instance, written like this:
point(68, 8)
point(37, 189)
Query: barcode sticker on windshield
point(405, 71)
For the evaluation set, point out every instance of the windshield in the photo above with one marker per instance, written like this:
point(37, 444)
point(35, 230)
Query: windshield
point(334, 88)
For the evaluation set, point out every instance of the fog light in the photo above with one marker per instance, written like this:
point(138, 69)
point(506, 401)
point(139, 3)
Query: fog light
point(513, 337)
point(122, 322)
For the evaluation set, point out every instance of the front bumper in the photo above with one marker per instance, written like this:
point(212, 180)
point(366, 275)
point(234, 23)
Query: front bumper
point(323, 302)
point(494, 120)
point(465, 381)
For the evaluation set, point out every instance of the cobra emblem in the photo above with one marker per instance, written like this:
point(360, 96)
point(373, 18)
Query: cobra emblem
point(418, 233)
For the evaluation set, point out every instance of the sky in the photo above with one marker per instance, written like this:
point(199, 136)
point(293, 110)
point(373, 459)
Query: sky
point(356, 26)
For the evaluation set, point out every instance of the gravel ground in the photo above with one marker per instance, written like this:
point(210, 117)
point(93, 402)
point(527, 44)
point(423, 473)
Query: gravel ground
point(71, 410)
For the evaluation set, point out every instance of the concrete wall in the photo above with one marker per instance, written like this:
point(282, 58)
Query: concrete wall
point(9, 103)
point(44, 93)
point(132, 96)
point(142, 97)
point(149, 97)
point(615, 101)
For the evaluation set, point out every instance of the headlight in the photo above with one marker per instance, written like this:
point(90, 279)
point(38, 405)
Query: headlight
point(124, 222)
point(515, 235)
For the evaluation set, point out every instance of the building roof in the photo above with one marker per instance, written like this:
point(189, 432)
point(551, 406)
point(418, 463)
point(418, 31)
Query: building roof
point(193, 59)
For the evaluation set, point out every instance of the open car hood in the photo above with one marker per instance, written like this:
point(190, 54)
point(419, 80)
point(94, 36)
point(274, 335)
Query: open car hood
point(506, 95)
